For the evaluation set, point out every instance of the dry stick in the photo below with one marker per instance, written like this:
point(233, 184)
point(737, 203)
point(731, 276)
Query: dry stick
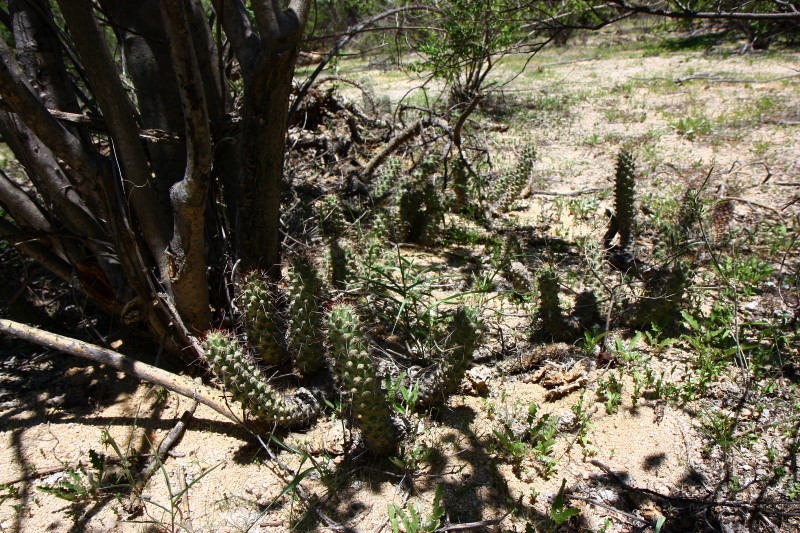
point(166, 445)
point(472, 525)
point(571, 193)
point(178, 384)
point(411, 131)
point(606, 507)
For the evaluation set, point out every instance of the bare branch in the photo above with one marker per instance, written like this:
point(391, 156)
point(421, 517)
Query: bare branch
point(715, 15)
point(20, 97)
point(244, 40)
point(178, 384)
point(39, 253)
point(118, 111)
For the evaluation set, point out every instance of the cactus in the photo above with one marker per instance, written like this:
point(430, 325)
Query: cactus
point(262, 318)
point(553, 326)
point(304, 332)
point(331, 216)
point(510, 184)
point(387, 179)
point(341, 265)
point(520, 279)
point(586, 313)
point(436, 385)
point(460, 178)
point(663, 298)
point(624, 182)
point(245, 381)
point(360, 386)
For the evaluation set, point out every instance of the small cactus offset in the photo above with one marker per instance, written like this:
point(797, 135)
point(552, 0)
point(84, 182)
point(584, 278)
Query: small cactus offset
point(624, 182)
point(245, 381)
point(262, 319)
point(443, 380)
point(304, 332)
point(511, 183)
point(360, 386)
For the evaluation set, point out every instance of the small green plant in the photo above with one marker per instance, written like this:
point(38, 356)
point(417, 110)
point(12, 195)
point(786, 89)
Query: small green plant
point(582, 417)
point(692, 126)
point(413, 520)
point(560, 513)
point(610, 390)
point(81, 483)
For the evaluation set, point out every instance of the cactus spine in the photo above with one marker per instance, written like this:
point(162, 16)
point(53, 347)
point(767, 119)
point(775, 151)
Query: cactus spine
point(304, 333)
point(443, 380)
point(357, 377)
point(262, 320)
point(244, 380)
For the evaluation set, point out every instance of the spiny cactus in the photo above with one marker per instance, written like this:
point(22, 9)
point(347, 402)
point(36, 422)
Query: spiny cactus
point(509, 185)
point(246, 383)
point(261, 307)
point(553, 326)
point(663, 298)
point(436, 385)
point(520, 278)
point(331, 216)
point(387, 179)
point(460, 179)
point(624, 182)
point(419, 206)
point(587, 312)
point(340, 263)
point(360, 386)
point(304, 332)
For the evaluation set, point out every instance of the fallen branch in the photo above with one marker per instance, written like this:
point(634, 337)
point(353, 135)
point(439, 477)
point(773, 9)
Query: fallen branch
point(177, 384)
point(482, 525)
point(166, 445)
point(572, 193)
point(411, 131)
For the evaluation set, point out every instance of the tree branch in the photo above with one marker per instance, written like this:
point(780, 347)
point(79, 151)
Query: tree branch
point(119, 113)
point(187, 247)
point(714, 15)
point(177, 384)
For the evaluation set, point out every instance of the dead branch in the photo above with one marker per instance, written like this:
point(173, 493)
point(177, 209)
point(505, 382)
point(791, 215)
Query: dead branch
point(177, 384)
point(401, 138)
point(166, 445)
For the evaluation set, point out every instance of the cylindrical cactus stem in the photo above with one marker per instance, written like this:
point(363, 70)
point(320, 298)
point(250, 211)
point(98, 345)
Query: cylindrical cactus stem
point(587, 310)
point(436, 385)
point(511, 183)
point(331, 216)
point(304, 333)
point(263, 324)
point(520, 278)
point(553, 324)
point(244, 380)
point(624, 182)
point(360, 386)
point(340, 264)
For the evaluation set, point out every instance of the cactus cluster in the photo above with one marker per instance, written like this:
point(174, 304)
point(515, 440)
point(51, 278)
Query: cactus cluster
point(509, 185)
point(356, 374)
point(304, 332)
point(443, 379)
point(261, 309)
point(245, 381)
